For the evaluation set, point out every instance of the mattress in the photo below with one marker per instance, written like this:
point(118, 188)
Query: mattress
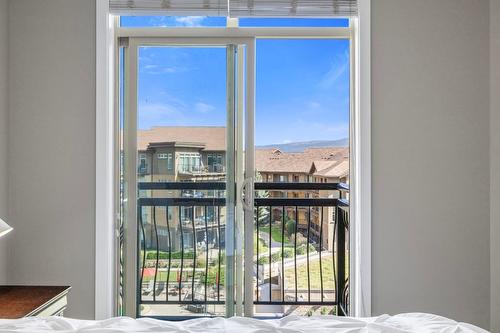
point(408, 322)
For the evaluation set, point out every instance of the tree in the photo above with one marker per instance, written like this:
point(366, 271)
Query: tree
point(290, 226)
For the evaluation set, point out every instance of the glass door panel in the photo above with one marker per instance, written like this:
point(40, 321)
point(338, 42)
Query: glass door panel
point(301, 136)
point(183, 155)
point(182, 117)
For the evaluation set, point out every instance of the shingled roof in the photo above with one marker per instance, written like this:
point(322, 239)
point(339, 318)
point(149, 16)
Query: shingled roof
point(328, 161)
point(330, 169)
point(213, 137)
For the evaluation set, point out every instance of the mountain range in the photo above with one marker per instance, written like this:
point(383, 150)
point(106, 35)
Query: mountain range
point(300, 146)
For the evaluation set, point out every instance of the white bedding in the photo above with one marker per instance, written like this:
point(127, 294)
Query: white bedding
point(408, 322)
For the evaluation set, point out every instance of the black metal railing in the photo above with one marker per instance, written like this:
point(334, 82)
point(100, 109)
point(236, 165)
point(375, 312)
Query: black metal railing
point(301, 244)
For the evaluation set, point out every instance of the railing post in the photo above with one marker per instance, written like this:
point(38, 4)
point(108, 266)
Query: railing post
point(339, 215)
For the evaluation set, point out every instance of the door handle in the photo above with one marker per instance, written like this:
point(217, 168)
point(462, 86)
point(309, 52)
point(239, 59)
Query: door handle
point(247, 193)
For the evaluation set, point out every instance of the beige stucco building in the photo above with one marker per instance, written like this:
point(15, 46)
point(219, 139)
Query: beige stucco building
point(197, 154)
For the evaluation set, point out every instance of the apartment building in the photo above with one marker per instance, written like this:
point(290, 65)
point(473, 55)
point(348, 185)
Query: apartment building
point(194, 154)
point(319, 165)
point(182, 153)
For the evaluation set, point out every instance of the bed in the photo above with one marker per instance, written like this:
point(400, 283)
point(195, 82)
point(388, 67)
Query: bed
point(408, 322)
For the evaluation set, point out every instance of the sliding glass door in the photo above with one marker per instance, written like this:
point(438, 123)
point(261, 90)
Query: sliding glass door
point(186, 103)
point(223, 215)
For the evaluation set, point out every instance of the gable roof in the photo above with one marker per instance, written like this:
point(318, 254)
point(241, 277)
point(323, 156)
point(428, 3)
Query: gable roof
point(326, 162)
point(330, 169)
point(319, 159)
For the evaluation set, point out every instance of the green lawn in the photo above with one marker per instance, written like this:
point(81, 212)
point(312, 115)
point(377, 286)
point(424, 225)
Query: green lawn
point(262, 247)
point(314, 275)
point(276, 234)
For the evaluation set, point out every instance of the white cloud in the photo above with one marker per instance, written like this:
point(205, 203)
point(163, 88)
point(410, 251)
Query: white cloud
point(338, 67)
point(190, 21)
point(158, 21)
point(203, 107)
point(314, 105)
point(174, 101)
point(158, 114)
point(157, 69)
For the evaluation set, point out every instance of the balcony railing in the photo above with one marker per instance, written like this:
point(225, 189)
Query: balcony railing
point(202, 169)
point(301, 250)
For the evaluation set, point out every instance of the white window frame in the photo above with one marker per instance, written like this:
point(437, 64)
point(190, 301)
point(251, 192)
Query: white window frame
point(189, 156)
point(170, 161)
point(105, 220)
point(168, 157)
point(106, 168)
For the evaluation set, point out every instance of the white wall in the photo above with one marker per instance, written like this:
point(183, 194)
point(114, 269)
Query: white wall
point(3, 134)
point(495, 162)
point(52, 146)
point(430, 113)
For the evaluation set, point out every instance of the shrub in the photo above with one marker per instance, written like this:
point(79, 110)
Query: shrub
point(290, 227)
point(151, 255)
point(288, 253)
point(201, 263)
point(263, 260)
point(301, 239)
point(302, 249)
point(276, 256)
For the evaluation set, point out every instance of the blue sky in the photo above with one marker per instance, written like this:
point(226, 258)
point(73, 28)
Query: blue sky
point(302, 86)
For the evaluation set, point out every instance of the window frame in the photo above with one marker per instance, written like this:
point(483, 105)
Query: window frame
point(168, 157)
point(106, 164)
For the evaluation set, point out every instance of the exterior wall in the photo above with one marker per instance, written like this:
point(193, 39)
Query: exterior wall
point(430, 158)
point(52, 127)
point(3, 136)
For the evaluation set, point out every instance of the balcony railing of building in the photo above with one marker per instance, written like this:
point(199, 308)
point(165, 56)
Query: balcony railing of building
point(203, 169)
point(301, 245)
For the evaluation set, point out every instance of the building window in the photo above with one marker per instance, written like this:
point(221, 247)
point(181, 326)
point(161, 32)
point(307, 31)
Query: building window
point(169, 157)
point(214, 161)
point(170, 161)
point(189, 162)
point(142, 164)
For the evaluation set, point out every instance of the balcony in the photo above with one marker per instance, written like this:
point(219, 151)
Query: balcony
point(182, 249)
point(216, 169)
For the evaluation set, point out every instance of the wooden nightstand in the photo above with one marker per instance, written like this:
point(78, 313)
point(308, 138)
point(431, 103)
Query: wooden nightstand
point(29, 301)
